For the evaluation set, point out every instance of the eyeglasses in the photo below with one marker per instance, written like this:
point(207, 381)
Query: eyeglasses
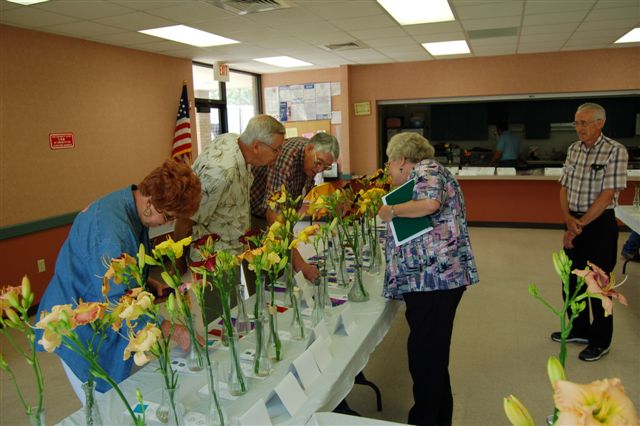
point(167, 216)
point(319, 162)
point(582, 123)
point(275, 150)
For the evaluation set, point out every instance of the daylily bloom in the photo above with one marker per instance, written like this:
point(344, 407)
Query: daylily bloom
point(171, 248)
point(9, 297)
point(602, 402)
point(88, 312)
point(142, 342)
point(57, 323)
point(601, 286)
point(136, 305)
point(119, 267)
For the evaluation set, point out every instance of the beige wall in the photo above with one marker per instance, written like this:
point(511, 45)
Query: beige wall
point(566, 72)
point(120, 104)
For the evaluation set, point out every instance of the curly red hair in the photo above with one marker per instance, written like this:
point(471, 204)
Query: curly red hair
point(173, 187)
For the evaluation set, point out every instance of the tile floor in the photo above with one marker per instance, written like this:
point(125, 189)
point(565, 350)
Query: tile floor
point(500, 343)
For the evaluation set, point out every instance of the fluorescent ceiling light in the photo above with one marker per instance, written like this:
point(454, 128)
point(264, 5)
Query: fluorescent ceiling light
point(27, 2)
point(188, 35)
point(410, 12)
point(441, 48)
point(283, 61)
point(632, 36)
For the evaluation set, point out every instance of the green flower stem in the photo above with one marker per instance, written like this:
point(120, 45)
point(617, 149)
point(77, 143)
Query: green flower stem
point(272, 323)
point(257, 320)
point(228, 325)
point(27, 408)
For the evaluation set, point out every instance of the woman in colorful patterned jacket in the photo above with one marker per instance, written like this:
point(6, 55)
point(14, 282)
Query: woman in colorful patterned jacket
point(430, 272)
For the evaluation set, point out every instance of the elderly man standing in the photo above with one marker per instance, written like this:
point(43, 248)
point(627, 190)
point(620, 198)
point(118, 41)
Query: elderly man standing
point(594, 171)
point(300, 160)
point(224, 169)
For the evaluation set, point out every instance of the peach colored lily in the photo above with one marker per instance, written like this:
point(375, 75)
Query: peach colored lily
point(141, 343)
point(88, 312)
point(602, 402)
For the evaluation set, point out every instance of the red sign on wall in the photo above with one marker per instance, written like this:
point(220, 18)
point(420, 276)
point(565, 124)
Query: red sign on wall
point(61, 140)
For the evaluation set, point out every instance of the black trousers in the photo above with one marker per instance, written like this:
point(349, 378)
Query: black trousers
point(597, 243)
point(430, 315)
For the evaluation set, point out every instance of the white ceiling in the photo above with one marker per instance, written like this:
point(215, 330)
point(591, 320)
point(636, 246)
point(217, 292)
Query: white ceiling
point(490, 28)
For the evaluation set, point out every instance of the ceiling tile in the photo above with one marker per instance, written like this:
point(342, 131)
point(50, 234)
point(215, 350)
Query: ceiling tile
point(32, 18)
point(365, 22)
point(435, 28)
point(483, 24)
point(84, 9)
point(560, 29)
point(280, 17)
point(440, 37)
point(497, 41)
point(399, 50)
point(622, 25)
point(230, 25)
point(121, 39)
point(142, 5)
point(549, 7)
point(389, 41)
point(330, 38)
point(548, 46)
point(135, 21)
point(343, 9)
point(477, 10)
point(380, 32)
point(613, 4)
point(537, 38)
point(82, 29)
point(493, 50)
point(615, 13)
point(553, 18)
point(191, 12)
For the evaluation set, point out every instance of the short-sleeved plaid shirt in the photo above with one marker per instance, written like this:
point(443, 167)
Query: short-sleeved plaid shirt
point(288, 169)
point(589, 171)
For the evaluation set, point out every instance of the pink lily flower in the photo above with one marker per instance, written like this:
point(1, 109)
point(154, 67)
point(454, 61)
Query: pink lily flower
point(601, 286)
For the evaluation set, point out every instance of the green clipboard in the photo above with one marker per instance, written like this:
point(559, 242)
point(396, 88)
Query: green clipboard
point(406, 228)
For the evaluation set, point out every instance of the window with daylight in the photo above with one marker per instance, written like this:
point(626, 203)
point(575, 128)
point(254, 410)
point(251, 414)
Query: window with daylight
point(242, 99)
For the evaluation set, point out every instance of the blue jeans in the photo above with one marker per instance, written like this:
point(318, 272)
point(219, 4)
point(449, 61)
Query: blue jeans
point(632, 244)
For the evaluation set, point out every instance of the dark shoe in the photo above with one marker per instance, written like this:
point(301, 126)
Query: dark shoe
point(630, 256)
point(593, 353)
point(571, 338)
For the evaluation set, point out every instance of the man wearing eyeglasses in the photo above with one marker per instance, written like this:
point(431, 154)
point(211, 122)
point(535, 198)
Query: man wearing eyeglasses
point(224, 169)
point(300, 160)
point(594, 171)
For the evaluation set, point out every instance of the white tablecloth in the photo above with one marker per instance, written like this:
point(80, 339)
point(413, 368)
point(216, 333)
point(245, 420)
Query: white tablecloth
point(630, 216)
point(335, 419)
point(350, 356)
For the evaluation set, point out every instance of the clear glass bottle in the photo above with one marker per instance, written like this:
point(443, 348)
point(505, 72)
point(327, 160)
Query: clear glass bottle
point(91, 410)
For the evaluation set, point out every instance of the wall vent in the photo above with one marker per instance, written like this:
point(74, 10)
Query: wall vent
point(493, 32)
point(244, 7)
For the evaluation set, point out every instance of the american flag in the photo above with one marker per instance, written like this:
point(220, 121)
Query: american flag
point(182, 136)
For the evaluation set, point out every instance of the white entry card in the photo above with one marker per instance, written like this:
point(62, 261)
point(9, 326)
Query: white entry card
point(256, 415)
point(506, 171)
point(321, 330)
point(320, 351)
point(291, 394)
point(345, 323)
point(307, 368)
point(306, 287)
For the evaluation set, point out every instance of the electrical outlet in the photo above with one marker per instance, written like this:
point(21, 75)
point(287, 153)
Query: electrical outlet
point(41, 265)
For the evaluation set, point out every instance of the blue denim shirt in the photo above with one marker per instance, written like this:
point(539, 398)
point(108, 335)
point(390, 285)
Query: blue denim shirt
point(104, 230)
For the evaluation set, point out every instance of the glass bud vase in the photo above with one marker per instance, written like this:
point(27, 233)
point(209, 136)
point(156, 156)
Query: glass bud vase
point(274, 344)
point(358, 293)
point(318, 302)
point(216, 415)
point(297, 323)
point(36, 417)
point(91, 410)
point(236, 382)
point(170, 410)
point(636, 196)
point(343, 275)
point(194, 358)
point(262, 362)
point(243, 323)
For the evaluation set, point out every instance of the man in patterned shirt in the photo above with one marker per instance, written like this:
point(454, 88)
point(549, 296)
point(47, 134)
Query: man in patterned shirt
point(594, 171)
point(300, 160)
point(225, 175)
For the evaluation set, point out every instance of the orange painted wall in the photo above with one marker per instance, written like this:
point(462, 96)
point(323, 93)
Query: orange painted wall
point(120, 104)
point(20, 256)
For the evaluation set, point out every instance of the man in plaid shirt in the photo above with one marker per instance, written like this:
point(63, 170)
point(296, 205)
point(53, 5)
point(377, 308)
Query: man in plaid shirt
point(299, 161)
point(594, 171)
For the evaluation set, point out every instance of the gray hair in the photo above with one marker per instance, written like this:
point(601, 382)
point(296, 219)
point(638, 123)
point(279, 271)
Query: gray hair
point(598, 111)
point(262, 127)
point(411, 146)
point(324, 142)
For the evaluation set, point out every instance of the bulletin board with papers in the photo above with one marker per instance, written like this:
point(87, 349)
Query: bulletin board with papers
point(299, 102)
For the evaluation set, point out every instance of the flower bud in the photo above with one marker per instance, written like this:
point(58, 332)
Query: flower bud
point(171, 304)
point(516, 412)
point(555, 370)
point(139, 396)
point(26, 287)
point(169, 280)
point(12, 298)
point(12, 316)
